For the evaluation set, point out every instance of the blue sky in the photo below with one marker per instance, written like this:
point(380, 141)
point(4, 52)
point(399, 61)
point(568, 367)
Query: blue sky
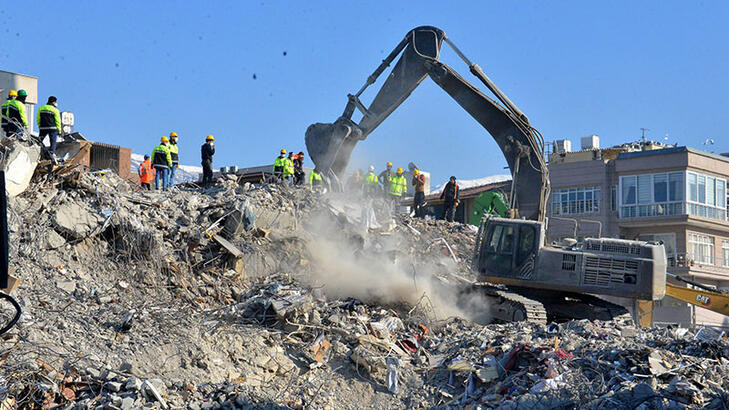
point(133, 71)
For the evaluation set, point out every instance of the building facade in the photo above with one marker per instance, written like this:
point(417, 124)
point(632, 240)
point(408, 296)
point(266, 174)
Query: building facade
point(646, 191)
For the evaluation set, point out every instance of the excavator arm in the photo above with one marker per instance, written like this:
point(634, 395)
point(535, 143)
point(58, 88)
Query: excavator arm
point(330, 145)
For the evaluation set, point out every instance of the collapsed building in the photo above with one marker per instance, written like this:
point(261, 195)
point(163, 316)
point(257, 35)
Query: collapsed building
point(261, 295)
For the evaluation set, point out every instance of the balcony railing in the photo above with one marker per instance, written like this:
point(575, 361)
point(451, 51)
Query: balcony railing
point(643, 211)
point(690, 260)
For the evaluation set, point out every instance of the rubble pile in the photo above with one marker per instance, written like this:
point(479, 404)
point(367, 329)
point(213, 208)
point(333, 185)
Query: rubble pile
point(264, 295)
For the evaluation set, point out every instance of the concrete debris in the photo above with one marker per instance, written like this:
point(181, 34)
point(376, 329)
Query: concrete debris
point(19, 160)
point(131, 301)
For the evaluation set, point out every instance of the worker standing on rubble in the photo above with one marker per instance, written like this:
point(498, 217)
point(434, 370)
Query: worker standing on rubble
point(278, 165)
point(146, 173)
point(15, 112)
point(450, 197)
point(419, 198)
point(315, 178)
point(162, 161)
point(385, 178)
point(49, 122)
point(175, 154)
point(12, 94)
point(299, 168)
point(370, 186)
point(288, 168)
point(398, 186)
point(355, 181)
point(207, 151)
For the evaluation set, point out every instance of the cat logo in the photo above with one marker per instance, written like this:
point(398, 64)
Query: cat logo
point(704, 300)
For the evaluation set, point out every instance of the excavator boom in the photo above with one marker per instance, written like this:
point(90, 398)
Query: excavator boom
point(330, 145)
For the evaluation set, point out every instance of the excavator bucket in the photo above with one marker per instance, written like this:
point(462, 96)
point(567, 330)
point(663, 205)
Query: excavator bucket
point(330, 145)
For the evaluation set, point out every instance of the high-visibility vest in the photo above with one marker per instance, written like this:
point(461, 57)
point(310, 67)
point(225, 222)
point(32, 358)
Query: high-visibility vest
point(398, 185)
point(371, 179)
point(174, 153)
point(48, 118)
point(16, 110)
point(288, 168)
point(314, 178)
point(278, 165)
point(161, 156)
point(146, 172)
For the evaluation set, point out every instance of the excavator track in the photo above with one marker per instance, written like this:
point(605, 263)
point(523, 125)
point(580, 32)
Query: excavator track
point(508, 306)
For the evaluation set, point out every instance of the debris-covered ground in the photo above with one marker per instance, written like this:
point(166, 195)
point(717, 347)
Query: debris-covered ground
point(262, 295)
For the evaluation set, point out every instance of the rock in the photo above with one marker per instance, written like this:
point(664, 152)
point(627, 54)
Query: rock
point(113, 386)
point(68, 286)
point(127, 403)
point(77, 220)
point(133, 383)
point(54, 240)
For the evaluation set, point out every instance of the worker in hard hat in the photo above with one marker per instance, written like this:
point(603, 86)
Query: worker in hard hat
point(288, 169)
point(175, 154)
point(49, 122)
point(208, 150)
point(15, 111)
point(146, 173)
point(299, 168)
point(162, 162)
point(12, 94)
point(385, 178)
point(451, 197)
point(419, 197)
point(278, 164)
point(398, 186)
point(370, 186)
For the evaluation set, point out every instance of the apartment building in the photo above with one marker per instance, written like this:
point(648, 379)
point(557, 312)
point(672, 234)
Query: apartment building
point(651, 192)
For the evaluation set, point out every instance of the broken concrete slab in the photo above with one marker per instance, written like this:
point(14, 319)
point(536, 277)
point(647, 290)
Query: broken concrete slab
point(77, 220)
point(19, 166)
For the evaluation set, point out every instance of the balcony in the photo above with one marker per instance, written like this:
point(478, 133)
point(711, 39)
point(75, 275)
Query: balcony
point(644, 211)
point(687, 263)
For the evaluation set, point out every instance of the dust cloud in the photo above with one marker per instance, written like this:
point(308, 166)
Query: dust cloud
point(384, 269)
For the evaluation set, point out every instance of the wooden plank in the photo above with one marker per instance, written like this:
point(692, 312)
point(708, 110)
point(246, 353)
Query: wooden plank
point(228, 246)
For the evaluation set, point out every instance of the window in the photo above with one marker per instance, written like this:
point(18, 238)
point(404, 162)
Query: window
point(701, 248)
point(526, 244)
point(576, 201)
point(725, 253)
point(707, 196)
point(652, 195)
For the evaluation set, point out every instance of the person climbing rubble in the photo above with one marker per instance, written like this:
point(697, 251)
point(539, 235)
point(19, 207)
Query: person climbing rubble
point(299, 169)
point(419, 198)
point(162, 162)
point(146, 173)
point(385, 178)
point(15, 112)
point(49, 123)
point(279, 164)
point(451, 198)
point(12, 95)
point(315, 179)
point(207, 151)
point(398, 186)
point(175, 154)
point(370, 187)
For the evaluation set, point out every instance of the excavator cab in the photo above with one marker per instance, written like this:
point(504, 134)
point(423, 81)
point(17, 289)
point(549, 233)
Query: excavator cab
point(509, 247)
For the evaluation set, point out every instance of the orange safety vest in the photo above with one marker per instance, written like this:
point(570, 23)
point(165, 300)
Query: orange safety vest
point(146, 172)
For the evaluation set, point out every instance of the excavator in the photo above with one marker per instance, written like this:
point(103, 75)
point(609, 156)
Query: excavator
point(523, 276)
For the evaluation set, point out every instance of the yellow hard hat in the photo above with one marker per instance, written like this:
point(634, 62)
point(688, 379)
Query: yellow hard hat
point(416, 172)
point(389, 164)
point(12, 93)
point(399, 170)
point(283, 151)
point(164, 139)
point(173, 134)
point(209, 138)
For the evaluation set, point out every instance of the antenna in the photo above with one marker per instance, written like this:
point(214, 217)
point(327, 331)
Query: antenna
point(642, 136)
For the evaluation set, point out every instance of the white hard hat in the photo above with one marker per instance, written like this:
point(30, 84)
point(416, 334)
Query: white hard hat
point(372, 168)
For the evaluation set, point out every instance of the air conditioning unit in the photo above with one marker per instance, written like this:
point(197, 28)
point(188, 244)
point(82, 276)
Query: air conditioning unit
point(562, 146)
point(591, 142)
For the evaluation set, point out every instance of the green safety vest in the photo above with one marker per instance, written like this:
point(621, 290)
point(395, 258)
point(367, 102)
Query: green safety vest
point(279, 163)
point(371, 179)
point(174, 153)
point(161, 156)
point(48, 118)
point(288, 167)
point(16, 109)
point(314, 178)
point(398, 185)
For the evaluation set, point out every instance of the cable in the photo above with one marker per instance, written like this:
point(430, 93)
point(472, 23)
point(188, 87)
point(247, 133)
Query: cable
point(18, 311)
